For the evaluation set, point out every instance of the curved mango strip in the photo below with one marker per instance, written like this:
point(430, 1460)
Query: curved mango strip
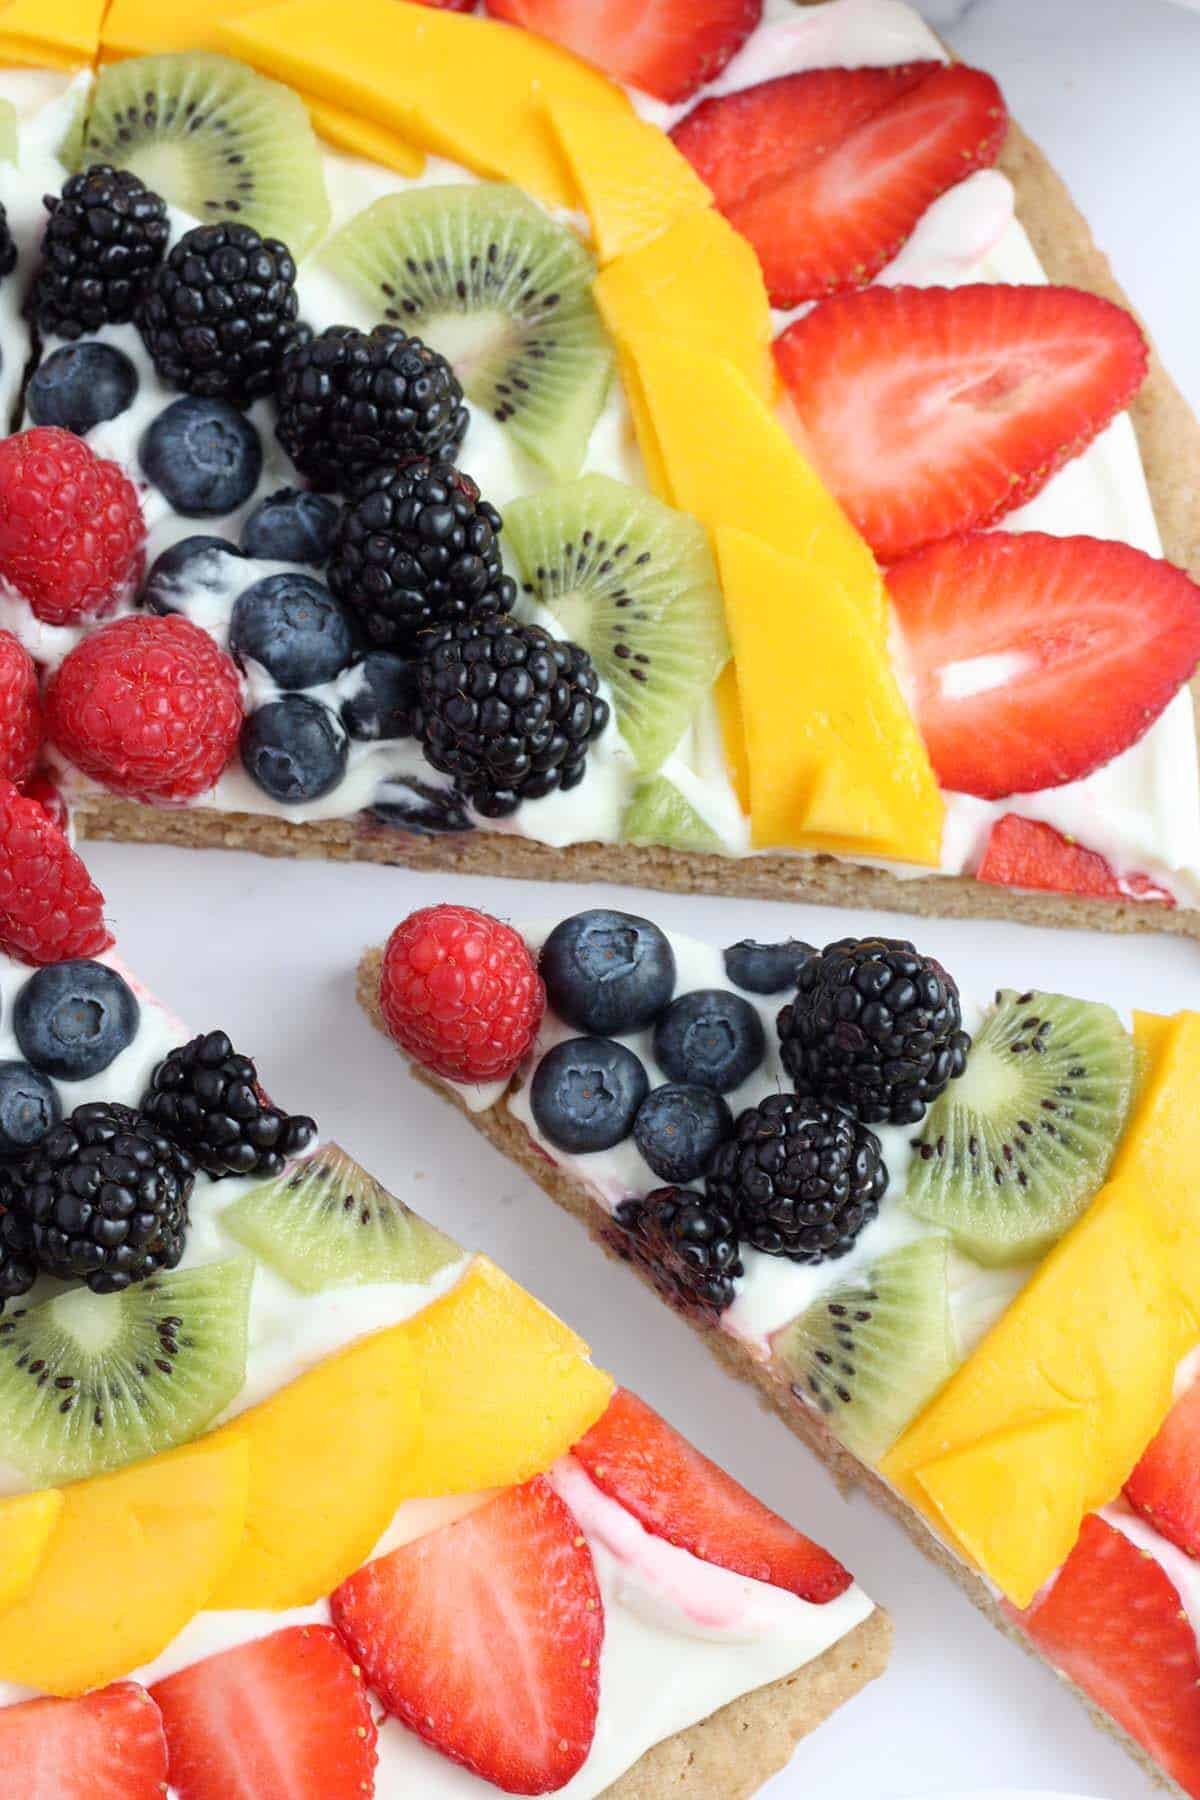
point(633, 181)
point(50, 34)
point(27, 1522)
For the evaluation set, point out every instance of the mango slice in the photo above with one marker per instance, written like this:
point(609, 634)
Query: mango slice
point(146, 27)
point(134, 1556)
point(27, 1522)
point(632, 179)
point(835, 760)
point(329, 1456)
point(363, 137)
point(51, 34)
point(506, 1387)
point(1161, 1146)
point(733, 733)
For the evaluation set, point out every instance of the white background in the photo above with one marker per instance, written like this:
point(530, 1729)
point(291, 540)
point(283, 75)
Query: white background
point(267, 951)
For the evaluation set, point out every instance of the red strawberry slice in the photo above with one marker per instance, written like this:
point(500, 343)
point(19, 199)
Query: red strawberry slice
point(484, 1638)
point(1026, 853)
point(665, 47)
point(284, 1718)
point(1114, 1624)
point(107, 1746)
point(1011, 638)
point(933, 410)
point(1165, 1486)
point(676, 1493)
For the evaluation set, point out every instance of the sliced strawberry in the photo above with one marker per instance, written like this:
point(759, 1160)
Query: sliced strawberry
point(676, 1493)
point(1026, 853)
point(933, 410)
point(665, 47)
point(1114, 1624)
point(107, 1746)
point(1011, 637)
point(1165, 1486)
point(484, 1638)
point(286, 1717)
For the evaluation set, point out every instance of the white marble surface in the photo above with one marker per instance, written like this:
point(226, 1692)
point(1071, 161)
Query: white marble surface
point(267, 951)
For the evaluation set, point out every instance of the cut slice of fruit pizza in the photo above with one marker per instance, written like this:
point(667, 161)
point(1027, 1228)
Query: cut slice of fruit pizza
point(689, 444)
point(302, 1501)
point(952, 1239)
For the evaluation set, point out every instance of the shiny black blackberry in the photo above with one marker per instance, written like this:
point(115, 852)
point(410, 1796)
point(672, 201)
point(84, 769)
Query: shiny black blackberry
point(686, 1244)
point(799, 1178)
point(506, 709)
point(351, 400)
point(104, 1198)
point(207, 1099)
point(18, 1265)
point(416, 548)
point(105, 236)
point(874, 1026)
point(217, 316)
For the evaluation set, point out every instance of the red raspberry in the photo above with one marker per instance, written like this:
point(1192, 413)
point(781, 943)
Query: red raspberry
point(148, 706)
point(461, 993)
point(71, 525)
point(50, 909)
point(20, 709)
point(43, 788)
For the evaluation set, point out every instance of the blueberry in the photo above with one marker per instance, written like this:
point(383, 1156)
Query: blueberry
point(191, 574)
point(295, 749)
point(710, 1037)
point(291, 526)
point(204, 455)
point(80, 386)
point(586, 1093)
point(384, 698)
point(29, 1106)
point(608, 972)
point(766, 968)
point(294, 627)
point(407, 804)
point(74, 1018)
point(678, 1129)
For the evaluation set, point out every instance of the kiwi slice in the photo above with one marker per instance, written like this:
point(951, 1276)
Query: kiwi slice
point(659, 814)
point(1012, 1152)
point(633, 581)
point(875, 1348)
point(214, 139)
point(504, 292)
point(91, 1381)
point(327, 1223)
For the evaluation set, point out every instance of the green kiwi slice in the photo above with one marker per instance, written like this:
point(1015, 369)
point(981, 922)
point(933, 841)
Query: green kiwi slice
point(91, 1381)
point(659, 814)
point(634, 582)
point(1012, 1152)
point(214, 139)
point(504, 292)
point(327, 1223)
point(874, 1349)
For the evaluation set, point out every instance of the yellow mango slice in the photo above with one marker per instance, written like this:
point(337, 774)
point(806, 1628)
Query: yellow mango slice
point(145, 27)
point(733, 733)
point(27, 1522)
point(472, 89)
point(506, 1387)
point(835, 760)
point(700, 282)
point(134, 1556)
point(328, 1464)
point(363, 137)
point(1161, 1146)
point(53, 34)
point(631, 178)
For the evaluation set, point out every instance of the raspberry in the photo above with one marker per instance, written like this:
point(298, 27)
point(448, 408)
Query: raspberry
point(20, 709)
point(71, 526)
point(43, 788)
point(461, 993)
point(50, 908)
point(148, 706)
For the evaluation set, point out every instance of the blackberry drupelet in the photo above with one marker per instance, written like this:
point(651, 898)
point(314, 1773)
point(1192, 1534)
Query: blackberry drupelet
point(799, 1178)
point(8, 249)
point(416, 548)
point(105, 236)
point(687, 1245)
point(207, 1099)
point(350, 400)
point(18, 1265)
point(874, 1026)
point(217, 316)
point(104, 1198)
point(507, 710)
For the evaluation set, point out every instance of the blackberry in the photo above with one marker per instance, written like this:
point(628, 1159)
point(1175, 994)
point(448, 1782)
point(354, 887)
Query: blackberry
point(507, 710)
point(18, 1266)
point(800, 1178)
point(218, 315)
point(350, 400)
point(416, 548)
point(207, 1099)
point(105, 236)
point(874, 1026)
point(104, 1198)
point(687, 1244)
